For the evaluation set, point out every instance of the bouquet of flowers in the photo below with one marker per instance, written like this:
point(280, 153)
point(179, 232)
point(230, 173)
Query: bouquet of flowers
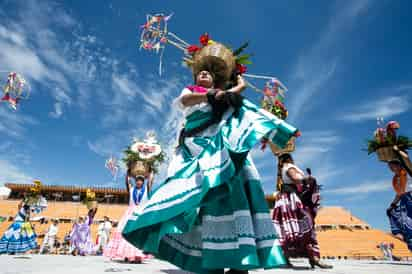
point(276, 108)
point(385, 139)
point(90, 199)
point(274, 95)
point(144, 156)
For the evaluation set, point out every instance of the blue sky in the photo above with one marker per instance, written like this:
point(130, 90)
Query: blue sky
point(344, 62)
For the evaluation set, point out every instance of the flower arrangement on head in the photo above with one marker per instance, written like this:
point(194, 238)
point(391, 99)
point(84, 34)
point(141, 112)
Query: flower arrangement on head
point(222, 61)
point(90, 199)
point(224, 64)
point(386, 139)
point(143, 157)
point(33, 196)
point(34, 199)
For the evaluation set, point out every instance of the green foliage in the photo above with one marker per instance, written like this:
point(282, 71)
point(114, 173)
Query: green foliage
point(243, 59)
point(276, 110)
point(403, 143)
point(241, 49)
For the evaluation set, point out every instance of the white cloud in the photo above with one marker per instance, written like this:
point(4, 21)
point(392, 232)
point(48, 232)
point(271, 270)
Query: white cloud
point(363, 188)
point(10, 173)
point(263, 159)
point(47, 46)
point(310, 84)
point(405, 87)
point(58, 110)
point(315, 145)
point(16, 58)
point(107, 145)
point(14, 123)
point(315, 150)
point(327, 172)
point(127, 88)
point(383, 107)
point(318, 64)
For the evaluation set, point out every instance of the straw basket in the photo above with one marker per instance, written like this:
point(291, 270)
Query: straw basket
point(290, 147)
point(137, 168)
point(386, 154)
point(216, 52)
point(91, 204)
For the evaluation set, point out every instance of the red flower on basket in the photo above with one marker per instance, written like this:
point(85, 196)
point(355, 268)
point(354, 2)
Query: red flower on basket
point(192, 49)
point(204, 39)
point(280, 105)
point(241, 68)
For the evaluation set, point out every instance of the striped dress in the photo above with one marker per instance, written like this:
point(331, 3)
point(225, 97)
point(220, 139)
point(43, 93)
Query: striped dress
point(295, 221)
point(19, 237)
point(210, 213)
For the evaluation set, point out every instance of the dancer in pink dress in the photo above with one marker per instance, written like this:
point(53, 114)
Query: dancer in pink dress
point(118, 248)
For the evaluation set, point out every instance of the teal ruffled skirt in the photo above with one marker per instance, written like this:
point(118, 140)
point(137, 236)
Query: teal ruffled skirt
point(211, 213)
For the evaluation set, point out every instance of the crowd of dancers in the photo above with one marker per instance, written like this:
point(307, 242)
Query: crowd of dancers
point(210, 214)
point(21, 238)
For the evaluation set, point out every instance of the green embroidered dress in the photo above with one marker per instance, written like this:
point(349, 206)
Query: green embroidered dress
point(210, 213)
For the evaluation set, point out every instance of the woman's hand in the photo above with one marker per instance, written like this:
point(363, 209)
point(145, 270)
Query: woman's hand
point(399, 236)
point(220, 94)
point(241, 83)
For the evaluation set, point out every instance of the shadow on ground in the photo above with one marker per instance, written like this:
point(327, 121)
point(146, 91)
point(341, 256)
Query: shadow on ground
point(174, 271)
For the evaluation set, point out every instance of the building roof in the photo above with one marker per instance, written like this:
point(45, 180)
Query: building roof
point(70, 189)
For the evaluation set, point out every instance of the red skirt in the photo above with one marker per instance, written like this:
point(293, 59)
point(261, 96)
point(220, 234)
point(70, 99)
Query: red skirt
point(295, 227)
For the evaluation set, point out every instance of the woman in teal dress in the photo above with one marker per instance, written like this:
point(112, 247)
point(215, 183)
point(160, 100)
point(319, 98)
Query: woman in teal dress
point(211, 213)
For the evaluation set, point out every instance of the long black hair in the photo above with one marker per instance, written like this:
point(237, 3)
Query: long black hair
point(281, 160)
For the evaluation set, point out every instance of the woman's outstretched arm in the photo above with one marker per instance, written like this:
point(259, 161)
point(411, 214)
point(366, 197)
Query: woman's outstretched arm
point(192, 99)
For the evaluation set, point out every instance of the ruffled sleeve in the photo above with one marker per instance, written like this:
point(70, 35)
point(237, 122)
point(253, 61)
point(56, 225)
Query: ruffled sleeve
point(178, 101)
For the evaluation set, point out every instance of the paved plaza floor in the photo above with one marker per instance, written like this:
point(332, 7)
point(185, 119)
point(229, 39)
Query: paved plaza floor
point(46, 264)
